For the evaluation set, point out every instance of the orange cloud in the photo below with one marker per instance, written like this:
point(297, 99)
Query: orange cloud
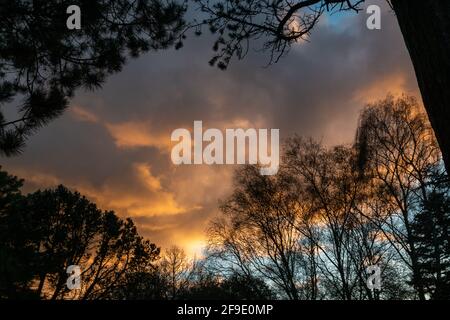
point(133, 134)
point(84, 115)
point(147, 197)
point(144, 173)
point(129, 134)
point(395, 84)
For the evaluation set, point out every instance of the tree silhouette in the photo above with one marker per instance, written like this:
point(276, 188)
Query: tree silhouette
point(209, 286)
point(254, 236)
point(47, 231)
point(431, 229)
point(347, 242)
point(398, 151)
point(312, 231)
point(424, 24)
point(42, 62)
point(16, 266)
point(141, 285)
point(175, 268)
point(309, 232)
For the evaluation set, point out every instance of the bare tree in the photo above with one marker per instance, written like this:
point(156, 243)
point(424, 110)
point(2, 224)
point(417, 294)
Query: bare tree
point(399, 153)
point(333, 188)
point(254, 237)
point(306, 230)
point(176, 268)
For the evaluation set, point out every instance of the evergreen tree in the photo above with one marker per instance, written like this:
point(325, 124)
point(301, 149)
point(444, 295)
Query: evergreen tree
point(44, 232)
point(15, 264)
point(431, 229)
point(42, 62)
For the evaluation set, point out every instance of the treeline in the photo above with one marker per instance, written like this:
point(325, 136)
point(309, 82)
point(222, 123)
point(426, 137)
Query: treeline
point(45, 232)
point(312, 231)
point(309, 232)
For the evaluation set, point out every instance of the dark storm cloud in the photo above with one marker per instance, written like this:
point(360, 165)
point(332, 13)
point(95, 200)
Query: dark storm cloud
point(316, 82)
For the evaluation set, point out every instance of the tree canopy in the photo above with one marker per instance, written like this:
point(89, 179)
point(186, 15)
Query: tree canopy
point(42, 62)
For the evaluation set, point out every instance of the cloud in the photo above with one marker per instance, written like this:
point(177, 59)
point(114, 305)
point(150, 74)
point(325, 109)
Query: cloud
point(395, 84)
point(37, 180)
point(134, 134)
point(82, 114)
point(144, 173)
point(114, 144)
point(143, 195)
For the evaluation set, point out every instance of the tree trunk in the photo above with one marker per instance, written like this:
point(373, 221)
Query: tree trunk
point(425, 26)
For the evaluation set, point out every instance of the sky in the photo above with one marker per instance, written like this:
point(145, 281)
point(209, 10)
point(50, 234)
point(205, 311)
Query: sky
point(113, 145)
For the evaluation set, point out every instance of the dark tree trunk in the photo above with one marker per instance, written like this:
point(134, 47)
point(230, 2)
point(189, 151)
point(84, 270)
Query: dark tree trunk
point(425, 26)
